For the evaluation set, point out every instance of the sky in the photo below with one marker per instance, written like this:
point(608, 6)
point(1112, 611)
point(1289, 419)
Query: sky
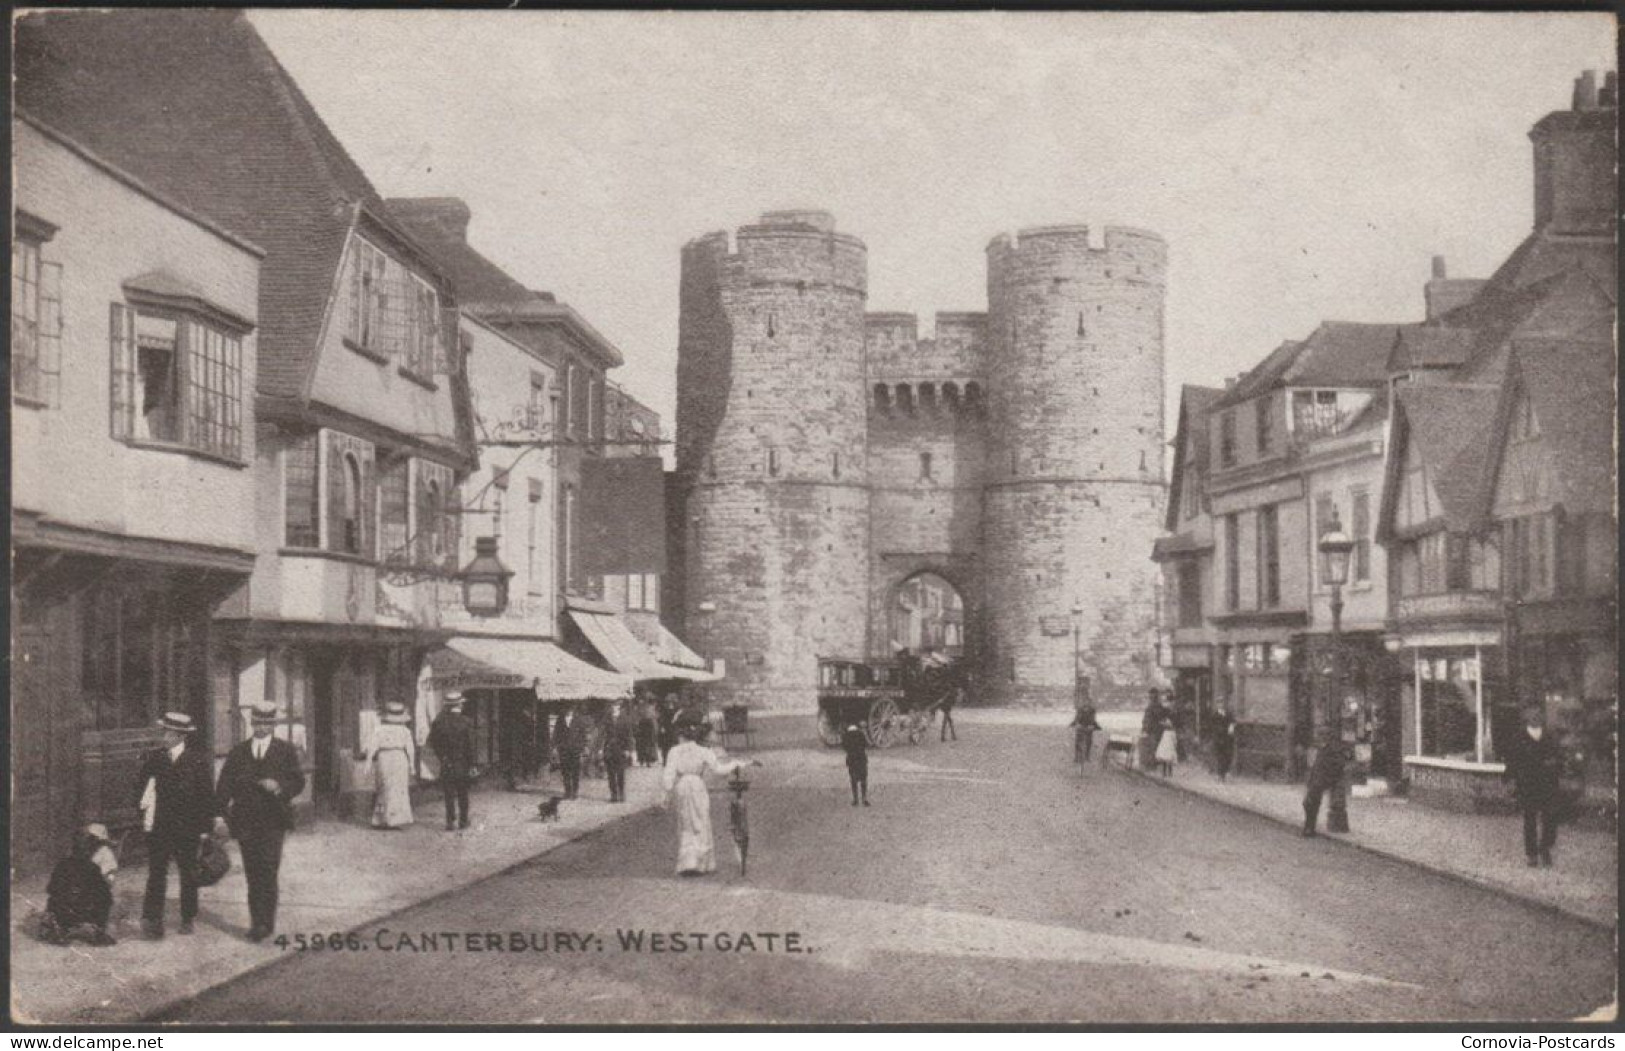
point(1301, 166)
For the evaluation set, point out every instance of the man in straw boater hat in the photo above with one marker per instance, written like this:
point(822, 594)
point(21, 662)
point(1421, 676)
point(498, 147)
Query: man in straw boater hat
point(177, 806)
point(257, 788)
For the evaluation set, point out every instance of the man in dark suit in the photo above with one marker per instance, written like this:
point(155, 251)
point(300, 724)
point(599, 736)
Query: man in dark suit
point(1535, 764)
point(617, 743)
point(451, 736)
point(257, 788)
point(1332, 757)
point(177, 804)
point(570, 737)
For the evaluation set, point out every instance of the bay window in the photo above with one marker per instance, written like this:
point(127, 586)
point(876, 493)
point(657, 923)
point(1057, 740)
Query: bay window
point(176, 380)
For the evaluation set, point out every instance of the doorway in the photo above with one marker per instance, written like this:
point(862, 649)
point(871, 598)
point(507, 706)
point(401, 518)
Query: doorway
point(927, 616)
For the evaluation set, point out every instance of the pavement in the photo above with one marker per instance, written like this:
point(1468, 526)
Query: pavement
point(339, 877)
point(1485, 850)
point(335, 875)
point(991, 881)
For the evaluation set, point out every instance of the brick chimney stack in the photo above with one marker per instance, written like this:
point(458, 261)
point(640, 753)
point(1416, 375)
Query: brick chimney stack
point(1444, 293)
point(447, 216)
point(1574, 152)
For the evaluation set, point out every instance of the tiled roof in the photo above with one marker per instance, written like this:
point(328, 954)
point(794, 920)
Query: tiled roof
point(1571, 386)
point(1450, 427)
point(1430, 346)
point(1343, 354)
point(194, 104)
point(479, 282)
point(1260, 377)
point(483, 287)
point(1194, 403)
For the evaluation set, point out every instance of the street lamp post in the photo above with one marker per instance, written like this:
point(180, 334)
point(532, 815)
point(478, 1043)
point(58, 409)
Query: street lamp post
point(1336, 546)
point(1077, 641)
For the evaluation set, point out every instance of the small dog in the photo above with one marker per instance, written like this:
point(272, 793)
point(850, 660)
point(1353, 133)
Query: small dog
point(548, 809)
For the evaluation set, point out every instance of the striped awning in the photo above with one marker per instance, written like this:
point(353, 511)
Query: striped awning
point(471, 662)
point(623, 651)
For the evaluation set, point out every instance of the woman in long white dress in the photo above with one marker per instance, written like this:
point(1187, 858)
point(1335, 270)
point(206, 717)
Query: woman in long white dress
point(394, 755)
point(684, 779)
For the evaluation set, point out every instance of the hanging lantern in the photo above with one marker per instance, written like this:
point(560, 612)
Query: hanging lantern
point(485, 580)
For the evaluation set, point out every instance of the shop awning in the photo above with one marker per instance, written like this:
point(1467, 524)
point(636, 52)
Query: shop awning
point(622, 650)
point(475, 663)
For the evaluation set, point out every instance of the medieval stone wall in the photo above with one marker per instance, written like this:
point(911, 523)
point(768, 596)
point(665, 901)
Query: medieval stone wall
point(826, 456)
point(772, 426)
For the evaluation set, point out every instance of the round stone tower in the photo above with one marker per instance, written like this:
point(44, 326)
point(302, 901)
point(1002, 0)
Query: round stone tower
point(1074, 480)
point(772, 454)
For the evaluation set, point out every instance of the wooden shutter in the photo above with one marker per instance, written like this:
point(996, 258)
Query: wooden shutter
point(121, 341)
point(50, 334)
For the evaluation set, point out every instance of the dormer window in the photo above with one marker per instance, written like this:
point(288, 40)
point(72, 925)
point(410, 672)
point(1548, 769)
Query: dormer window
point(393, 313)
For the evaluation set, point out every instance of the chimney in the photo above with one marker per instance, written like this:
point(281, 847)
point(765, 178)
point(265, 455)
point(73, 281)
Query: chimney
point(443, 216)
point(1585, 90)
point(1439, 272)
point(1574, 153)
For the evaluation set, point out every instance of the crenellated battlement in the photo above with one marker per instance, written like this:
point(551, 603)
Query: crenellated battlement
point(1125, 253)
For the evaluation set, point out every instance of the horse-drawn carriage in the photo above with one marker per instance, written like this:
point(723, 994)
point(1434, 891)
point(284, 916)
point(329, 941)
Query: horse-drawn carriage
point(891, 699)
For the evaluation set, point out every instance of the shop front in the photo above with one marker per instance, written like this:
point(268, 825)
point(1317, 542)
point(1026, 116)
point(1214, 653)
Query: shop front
point(1348, 686)
point(513, 689)
point(329, 685)
point(1564, 662)
point(1455, 710)
point(108, 633)
point(1251, 679)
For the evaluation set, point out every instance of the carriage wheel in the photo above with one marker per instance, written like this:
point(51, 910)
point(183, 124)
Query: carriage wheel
point(829, 728)
point(883, 723)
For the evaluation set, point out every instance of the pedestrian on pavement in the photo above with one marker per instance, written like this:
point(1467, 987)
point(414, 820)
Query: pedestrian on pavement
point(1325, 775)
point(617, 743)
point(394, 757)
point(1535, 764)
point(684, 781)
point(666, 712)
point(79, 897)
point(644, 736)
point(451, 736)
point(258, 784)
point(178, 809)
point(856, 745)
point(1084, 725)
point(1167, 745)
point(1224, 742)
point(956, 694)
point(570, 738)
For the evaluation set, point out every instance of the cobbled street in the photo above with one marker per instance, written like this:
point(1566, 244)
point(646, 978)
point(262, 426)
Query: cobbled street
point(991, 880)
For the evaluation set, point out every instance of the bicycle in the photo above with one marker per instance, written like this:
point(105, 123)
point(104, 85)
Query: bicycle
point(739, 817)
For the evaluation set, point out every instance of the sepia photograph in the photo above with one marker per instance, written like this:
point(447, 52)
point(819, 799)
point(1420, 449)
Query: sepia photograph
point(813, 518)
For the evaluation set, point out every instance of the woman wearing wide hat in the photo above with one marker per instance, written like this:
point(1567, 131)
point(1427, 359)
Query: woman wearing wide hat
point(684, 779)
point(394, 757)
